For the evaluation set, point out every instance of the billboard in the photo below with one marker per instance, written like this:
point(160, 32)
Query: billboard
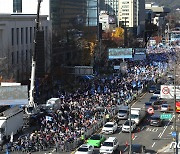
point(13, 95)
point(167, 92)
point(120, 53)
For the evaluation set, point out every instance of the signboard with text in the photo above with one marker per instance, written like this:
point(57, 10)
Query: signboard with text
point(120, 53)
point(167, 91)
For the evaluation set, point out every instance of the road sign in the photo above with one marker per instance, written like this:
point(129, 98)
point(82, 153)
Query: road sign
point(165, 90)
point(150, 110)
point(165, 116)
point(173, 134)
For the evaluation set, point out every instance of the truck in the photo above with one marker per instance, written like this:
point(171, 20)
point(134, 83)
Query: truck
point(11, 122)
point(178, 107)
point(137, 115)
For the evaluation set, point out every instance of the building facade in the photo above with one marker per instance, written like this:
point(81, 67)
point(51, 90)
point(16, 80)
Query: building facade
point(17, 43)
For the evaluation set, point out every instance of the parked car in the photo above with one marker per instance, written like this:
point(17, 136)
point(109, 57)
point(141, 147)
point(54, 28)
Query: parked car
point(152, 88)
point(155, 120)
point(157, 93)
point(96, 140)
point(165, 107)
point(85, 149)
point(109, 128)
point(138, 148)
point(126, 126)
point(109, 146)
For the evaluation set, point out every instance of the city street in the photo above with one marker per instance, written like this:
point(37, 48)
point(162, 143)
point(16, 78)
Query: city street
point(153, 138)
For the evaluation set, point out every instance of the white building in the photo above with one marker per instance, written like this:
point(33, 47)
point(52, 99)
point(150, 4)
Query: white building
point(128, 12)
point(108, 21)
point(24, 7)
point(16, 43)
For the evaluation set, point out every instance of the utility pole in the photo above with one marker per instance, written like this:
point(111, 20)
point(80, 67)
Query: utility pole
point(175, 130)
point(130, 134)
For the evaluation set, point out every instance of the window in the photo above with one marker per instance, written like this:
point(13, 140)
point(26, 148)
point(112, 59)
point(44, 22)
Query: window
point(17, 36)
point(12, 36)
point(17, 6)
point(26, 55)
point(12, 57)
point(22, 35)
point(30, 34)
point(26, 35)
point(17, 57)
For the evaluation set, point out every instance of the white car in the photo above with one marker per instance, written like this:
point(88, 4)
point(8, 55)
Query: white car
point(109, 128)
point(126, 126)
point(85, 149)
point(110, 145)
point(165, 107)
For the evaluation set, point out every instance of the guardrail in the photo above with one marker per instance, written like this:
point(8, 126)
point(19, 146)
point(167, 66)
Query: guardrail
point(96, 127)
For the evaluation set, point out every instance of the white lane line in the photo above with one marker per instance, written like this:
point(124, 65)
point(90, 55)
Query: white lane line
point(138, 100)
point(159, 135)
point(166, 127)
point(120, 132)
point(172, 127)
point(142, 128)
point(125, 148)
point(134, 137)
point(153, 144)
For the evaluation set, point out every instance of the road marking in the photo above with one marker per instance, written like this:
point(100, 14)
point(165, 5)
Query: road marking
point(120, 132)
point(142, 128)
point(138, 100)
point(172, 127)
point(166, 127)
point(153, 144)
point(159, 135)
point(152, 129)
point(134, 137)
point(179, 116)
point(125, 148)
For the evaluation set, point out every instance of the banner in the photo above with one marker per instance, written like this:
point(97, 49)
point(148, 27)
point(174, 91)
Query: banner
point(120, 53)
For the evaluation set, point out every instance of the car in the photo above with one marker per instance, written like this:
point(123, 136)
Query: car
point(157, 93)
point(165, 107)
point(109, 146)
point(157, 104)
point(138, 148)
point(153, 99)
point(85, 149)
point(109, 128)
point(147, 105)
point(126, 126)
point(152, 89)
point(123, 112)
point(155, 120)
point(96, 140)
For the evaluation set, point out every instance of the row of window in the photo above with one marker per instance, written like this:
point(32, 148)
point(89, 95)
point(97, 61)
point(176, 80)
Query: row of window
point(21, 57)
point(17, 35)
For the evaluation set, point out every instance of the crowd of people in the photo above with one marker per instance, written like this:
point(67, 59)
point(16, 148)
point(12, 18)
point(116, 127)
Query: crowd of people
point(80, 110)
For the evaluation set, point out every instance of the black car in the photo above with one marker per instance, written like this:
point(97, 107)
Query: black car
point(138, 148)
point(155, 120)
point(147, 105)
point(157, 104)
point(153, 99)
point(152, 89)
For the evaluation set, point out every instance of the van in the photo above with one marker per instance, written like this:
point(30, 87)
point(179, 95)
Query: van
point(123, 112)
point(110, 145)
point(53, 103)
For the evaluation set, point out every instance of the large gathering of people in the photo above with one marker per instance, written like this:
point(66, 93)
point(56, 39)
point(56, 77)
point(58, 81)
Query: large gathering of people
point(83, 108)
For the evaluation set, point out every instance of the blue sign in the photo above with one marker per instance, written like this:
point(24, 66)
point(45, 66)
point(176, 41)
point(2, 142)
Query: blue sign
point(173, 134)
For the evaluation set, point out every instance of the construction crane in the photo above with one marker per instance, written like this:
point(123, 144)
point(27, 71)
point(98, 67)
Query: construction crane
point(31, 107)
